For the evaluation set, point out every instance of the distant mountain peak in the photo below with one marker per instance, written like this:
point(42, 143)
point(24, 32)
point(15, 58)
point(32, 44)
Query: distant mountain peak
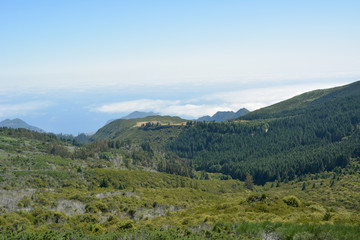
point(18, 123)
point(139, 114)
point(224, 115)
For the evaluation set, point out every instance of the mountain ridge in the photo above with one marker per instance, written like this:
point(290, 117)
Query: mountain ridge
point(18, 123)
point(139, 114)
point(221, 116)
point(305, 100)
point(135, 114)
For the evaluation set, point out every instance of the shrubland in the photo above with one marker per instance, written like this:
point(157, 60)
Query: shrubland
point(47, 196)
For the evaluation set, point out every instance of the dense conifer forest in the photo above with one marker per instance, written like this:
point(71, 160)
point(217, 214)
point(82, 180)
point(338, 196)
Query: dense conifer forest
point(318, 138)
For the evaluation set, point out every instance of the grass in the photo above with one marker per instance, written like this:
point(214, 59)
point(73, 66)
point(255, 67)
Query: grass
point(244, 230)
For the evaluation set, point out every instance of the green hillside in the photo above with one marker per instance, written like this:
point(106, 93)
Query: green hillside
point(154, 129)
point(309, 133)
point(314, 132)
point(302, 102)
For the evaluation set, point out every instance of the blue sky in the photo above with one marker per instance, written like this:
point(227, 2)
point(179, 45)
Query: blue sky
point(69, 66)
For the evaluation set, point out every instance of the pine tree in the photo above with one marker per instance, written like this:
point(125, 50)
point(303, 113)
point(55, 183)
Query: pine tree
point(303, 186)
point(249, 181)
point(104, 183)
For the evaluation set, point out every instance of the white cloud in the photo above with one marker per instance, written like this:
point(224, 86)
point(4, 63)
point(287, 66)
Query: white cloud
point(164, 107)
point(251, 99)
point(139, 105)
point(195, 111)
point(256, 98)
point(20, 109)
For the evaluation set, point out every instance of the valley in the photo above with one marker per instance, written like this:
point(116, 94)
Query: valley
point(288, 171)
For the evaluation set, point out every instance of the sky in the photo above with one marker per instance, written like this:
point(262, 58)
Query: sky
point(70, 66)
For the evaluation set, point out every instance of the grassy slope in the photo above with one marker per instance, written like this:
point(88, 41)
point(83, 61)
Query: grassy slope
point(304, 100)
point(123, 129)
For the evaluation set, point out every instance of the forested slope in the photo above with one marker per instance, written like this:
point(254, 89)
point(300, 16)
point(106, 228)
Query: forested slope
point(313, 132)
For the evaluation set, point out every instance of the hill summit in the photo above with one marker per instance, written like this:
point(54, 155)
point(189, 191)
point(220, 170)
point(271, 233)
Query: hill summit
point(18, 123)
point(221, 116)
point(138, 114)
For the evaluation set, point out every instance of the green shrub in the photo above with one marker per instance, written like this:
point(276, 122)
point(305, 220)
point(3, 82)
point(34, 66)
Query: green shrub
point(292, 201)
point(252, 198)
point(13, 222)
point(126, 225)
point(42, 200)
point(104, 183)
point(256, 198)
point(41, 216)
point(95, 207)
point(26, 202)
point(96, 228)
point(102, 206)
point(327, 216)
point(87, 218)
point(91, 208)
